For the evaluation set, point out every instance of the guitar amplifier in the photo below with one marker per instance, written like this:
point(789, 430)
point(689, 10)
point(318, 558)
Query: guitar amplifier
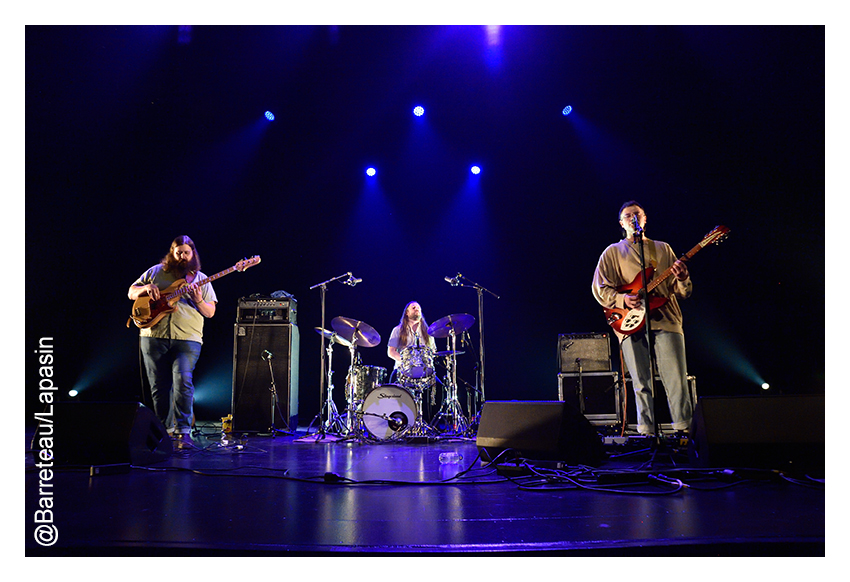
point(584, 352)
point(267, 310)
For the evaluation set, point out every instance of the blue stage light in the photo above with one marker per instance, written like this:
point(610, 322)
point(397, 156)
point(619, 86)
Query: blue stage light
point(418, 111)
point(371, 172)
point(269, 115)
point(475, 170)
point(567, 110)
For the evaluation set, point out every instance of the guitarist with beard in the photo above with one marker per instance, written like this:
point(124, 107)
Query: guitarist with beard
point(171, 347)
point(617, 284)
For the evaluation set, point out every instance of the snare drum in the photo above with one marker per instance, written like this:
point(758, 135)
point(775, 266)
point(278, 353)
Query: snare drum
point(417, 362)
point(365, 378)
point(387, 410)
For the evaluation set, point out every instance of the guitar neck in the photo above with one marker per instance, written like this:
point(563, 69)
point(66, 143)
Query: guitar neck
point(666, 274)
point(185, 289)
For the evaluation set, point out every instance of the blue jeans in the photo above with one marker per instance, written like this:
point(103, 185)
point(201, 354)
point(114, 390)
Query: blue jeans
point(670, 360)
point(169, 365)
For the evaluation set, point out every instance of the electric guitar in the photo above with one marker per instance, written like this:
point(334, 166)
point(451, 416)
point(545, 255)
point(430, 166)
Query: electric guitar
point(629, 321)
point(147, 312)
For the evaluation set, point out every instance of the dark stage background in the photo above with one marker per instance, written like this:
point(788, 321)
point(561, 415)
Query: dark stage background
point(135, 135)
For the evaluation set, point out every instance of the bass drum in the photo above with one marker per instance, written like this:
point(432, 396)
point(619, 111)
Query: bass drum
point(387, 410)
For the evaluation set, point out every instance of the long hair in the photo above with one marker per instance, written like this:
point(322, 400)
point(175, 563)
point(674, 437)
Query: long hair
point(169, 263)
point(404, 335)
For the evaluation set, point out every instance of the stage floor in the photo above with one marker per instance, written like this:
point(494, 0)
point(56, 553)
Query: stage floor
point(320, 496)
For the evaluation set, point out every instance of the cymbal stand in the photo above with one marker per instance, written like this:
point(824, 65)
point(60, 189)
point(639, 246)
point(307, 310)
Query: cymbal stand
point(323, 402)
point(334, 420)
point(451, 408)
point(479, 393)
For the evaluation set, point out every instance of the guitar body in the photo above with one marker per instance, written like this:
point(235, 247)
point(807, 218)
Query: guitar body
point(147, 312)
point(629, 321)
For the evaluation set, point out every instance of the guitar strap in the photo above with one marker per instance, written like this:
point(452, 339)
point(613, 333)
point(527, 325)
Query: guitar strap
point(649, 246)
point(652, 259)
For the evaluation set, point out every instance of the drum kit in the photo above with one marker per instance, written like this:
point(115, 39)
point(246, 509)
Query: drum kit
point(382, 411)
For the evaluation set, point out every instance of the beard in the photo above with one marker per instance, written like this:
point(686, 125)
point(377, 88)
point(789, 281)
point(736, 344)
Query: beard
point(182, 268)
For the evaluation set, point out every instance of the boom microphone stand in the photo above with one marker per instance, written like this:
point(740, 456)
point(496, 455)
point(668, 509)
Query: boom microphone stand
point(323, 288)
point(455, 282)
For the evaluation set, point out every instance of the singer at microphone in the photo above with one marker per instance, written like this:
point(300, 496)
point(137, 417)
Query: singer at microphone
point(619, 286)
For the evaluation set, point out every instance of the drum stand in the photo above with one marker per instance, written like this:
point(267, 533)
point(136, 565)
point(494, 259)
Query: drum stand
point(354, 426)
point(451, 408)
point(419, 429)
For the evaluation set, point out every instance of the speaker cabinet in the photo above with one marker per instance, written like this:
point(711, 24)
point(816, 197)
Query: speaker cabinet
point(781, 432)
point(584, 352)
point(262, 353)
point(595, 394)
point(538, 430)
point(102, 433)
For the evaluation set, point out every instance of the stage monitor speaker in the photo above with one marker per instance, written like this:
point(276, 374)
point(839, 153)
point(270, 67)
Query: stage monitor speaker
point(784, 433)
point(585, 352)
point(102, 433)
point(538, 430)
point(262, 352)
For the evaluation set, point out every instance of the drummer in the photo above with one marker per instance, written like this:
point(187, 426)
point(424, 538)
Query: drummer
point(411, 331)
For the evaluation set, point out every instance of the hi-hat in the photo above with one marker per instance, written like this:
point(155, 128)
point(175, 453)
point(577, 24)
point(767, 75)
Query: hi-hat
point(449, 353)
point(333, 336)
point(459, 323)
point(356, 332)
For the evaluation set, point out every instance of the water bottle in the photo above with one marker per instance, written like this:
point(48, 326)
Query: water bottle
point(450, 458)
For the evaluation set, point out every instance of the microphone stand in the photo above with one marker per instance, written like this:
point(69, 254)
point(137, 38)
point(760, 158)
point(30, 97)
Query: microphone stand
point(275, 403)
point(657, 442)
point(323, 289)
point(480, 378)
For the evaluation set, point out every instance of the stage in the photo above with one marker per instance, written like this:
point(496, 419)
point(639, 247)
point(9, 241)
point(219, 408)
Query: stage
point(319, 495)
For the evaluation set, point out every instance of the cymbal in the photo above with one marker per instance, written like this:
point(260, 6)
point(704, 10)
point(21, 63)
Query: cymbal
point(459, 323)
point(356, 332)
point(333, 336)
point(449, 353)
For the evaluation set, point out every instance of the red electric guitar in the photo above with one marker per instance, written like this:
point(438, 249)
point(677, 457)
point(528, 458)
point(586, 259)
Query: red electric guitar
point(629, 321)
point(147, 312)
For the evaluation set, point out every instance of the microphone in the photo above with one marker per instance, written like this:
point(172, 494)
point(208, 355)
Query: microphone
point(267, 355)
point(352, 280)
point(453, 281)
point(636, 225)
point(397, 420)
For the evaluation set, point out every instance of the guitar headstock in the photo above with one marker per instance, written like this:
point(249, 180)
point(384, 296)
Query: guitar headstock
point(247, 263)
point(717, 235)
